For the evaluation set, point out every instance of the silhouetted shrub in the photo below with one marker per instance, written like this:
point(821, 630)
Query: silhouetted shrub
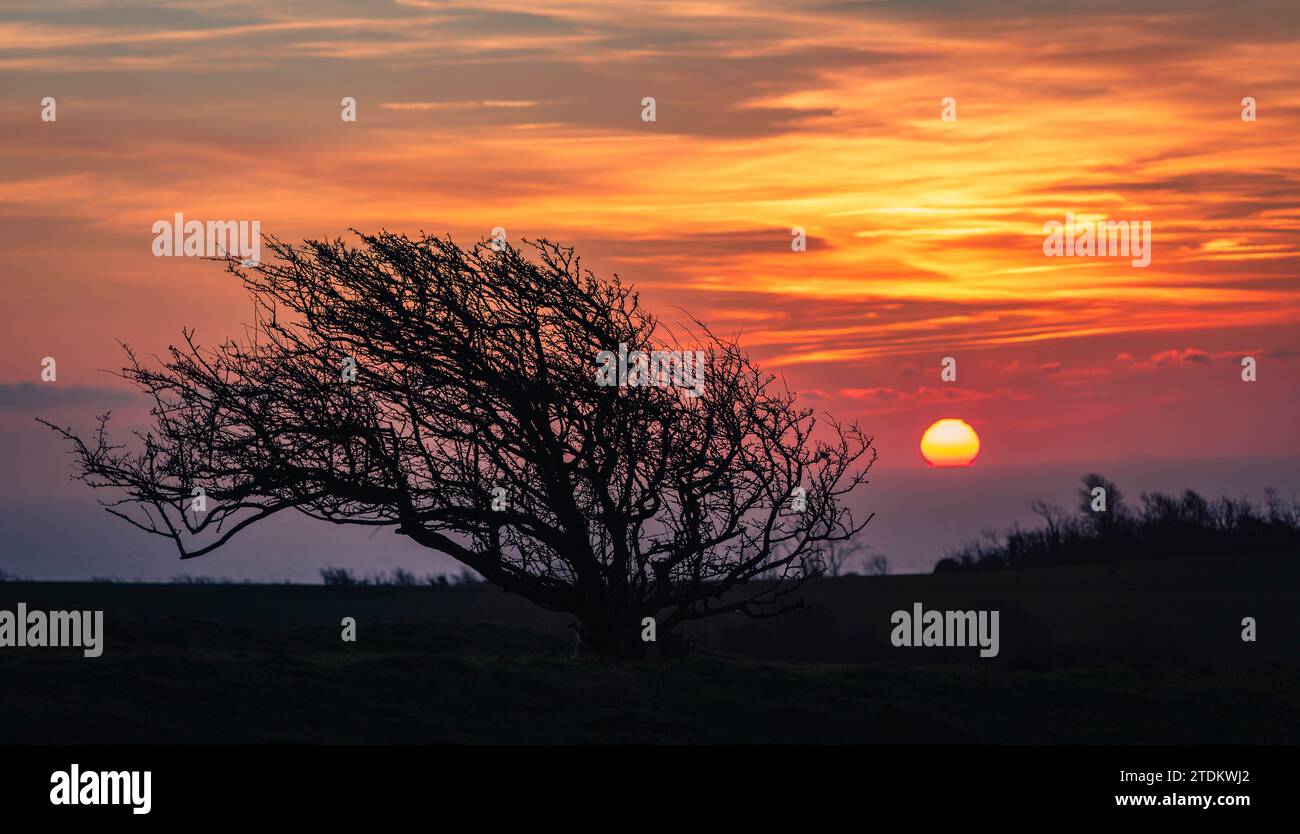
point(1162, 526)
point(338, 577)
point(877, 566)
point(401, 578)
point(467, 577)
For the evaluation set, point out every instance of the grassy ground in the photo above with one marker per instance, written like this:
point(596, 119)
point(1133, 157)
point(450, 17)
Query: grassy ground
point(265, 664)
point(460, 683)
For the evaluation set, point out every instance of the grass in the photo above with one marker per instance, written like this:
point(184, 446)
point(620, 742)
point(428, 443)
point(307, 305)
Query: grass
point(445, 682)
point(247, 663)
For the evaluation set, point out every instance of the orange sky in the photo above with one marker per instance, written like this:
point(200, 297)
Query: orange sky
point(925, 236)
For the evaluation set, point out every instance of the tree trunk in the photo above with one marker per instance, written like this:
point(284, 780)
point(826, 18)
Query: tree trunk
point(613, 633)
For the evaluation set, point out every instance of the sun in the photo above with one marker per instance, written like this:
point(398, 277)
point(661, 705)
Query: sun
point(950, 442)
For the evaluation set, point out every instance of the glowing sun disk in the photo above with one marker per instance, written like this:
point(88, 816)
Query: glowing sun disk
point(950, 442)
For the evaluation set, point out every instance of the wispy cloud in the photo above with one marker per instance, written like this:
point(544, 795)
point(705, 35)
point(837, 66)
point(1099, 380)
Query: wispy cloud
point(33, 396)
point(924, 237)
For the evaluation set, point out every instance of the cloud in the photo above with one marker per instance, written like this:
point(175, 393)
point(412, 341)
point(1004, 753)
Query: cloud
point(883, 394)
point(1057, 370)
point(886, 398)
point(1186, 356)
point(32, 396)
point(1016, 366)
point(1193, 356)
point(925, 236)
point(457, 105)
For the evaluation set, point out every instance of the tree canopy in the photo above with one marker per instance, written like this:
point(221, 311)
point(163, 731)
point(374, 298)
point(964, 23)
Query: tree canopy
point(453, 395)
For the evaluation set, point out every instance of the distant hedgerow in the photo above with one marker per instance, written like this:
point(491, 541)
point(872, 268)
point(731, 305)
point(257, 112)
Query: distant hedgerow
point(1162, 526)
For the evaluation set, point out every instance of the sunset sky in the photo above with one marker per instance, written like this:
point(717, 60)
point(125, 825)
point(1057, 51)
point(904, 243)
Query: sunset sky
point(924, 236)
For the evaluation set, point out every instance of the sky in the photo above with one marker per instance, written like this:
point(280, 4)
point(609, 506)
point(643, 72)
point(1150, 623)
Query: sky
point(924, 234)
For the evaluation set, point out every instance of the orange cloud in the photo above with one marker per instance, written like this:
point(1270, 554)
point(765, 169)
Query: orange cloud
point(924, 237)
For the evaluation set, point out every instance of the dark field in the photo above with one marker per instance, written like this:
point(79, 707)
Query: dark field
point(1146, 652)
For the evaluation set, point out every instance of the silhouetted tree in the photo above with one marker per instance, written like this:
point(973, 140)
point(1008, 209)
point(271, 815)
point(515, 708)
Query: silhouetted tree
point(474, 424)
point(1102, 522)
point(1055, 521)
point(836, 557)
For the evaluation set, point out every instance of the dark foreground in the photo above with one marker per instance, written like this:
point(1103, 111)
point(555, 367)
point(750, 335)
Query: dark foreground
point(1097, 655)
point(451, 683)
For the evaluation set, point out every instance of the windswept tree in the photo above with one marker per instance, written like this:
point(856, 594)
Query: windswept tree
point(462, 398)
